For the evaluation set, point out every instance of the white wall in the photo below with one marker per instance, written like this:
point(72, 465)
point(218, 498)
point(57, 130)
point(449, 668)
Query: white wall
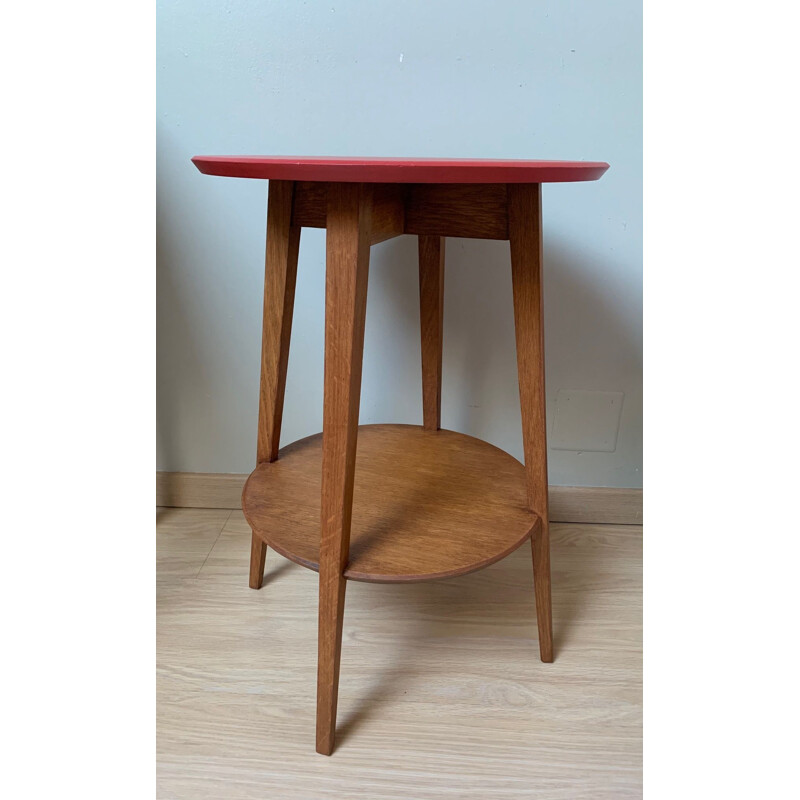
point(449, 78)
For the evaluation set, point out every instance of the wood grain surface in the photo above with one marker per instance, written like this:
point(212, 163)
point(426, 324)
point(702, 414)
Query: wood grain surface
point(525, 237)
point(280, 278)
point(431, 316)
point(441, 696)
point(476, 211)
point(258, 557)
point(473, 210)
point(283, 242)
point(347, 251)
point(426, 504)
point(388, 208)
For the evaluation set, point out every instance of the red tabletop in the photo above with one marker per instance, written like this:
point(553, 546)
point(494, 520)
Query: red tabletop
point(399, 170)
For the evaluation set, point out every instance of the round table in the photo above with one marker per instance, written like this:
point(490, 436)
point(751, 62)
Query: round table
point(395, 503)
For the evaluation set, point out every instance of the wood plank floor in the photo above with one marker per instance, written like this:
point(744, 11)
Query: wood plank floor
point(442, 692)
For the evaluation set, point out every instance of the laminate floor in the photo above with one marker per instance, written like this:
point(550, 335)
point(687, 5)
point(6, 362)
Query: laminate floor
point(442, 694)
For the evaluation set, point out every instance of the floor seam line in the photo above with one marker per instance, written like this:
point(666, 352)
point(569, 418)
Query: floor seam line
point(211, 550)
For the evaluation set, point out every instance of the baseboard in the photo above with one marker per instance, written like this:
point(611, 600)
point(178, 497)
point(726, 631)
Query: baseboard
point(597, 504)
point(199, 489)
point(567, 503)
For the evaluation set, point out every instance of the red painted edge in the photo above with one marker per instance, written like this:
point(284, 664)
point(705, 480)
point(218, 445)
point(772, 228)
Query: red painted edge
point(399, 170)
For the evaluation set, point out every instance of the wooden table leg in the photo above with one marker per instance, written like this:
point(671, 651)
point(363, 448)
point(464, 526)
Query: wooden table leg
point(525, 234)
point(349, 212)
point(280, 275)
point(258, 558)
point(431, 315)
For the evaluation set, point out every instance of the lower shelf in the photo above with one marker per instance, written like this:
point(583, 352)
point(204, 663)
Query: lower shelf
point(426, 504)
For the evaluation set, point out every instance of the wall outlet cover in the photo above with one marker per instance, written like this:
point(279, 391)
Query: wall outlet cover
point(586, 420)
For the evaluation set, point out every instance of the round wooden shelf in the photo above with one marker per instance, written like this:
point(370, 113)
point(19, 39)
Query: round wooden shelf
point(426, 504)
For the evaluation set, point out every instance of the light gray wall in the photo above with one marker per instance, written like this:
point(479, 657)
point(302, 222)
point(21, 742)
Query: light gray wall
point(448, 78)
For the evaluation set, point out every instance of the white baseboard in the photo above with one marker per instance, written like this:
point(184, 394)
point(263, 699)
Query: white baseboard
point(567, 503)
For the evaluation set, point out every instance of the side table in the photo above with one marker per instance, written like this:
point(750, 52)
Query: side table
point(395, 503)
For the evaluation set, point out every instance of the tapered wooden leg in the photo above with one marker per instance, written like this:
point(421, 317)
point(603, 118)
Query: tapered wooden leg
point(348, 237)
point(258, 557)
point(280, 275)
point(525, 234)
point(431, 314)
